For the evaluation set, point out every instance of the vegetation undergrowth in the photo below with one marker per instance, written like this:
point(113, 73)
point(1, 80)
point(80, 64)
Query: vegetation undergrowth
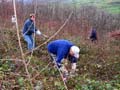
point(98, 68)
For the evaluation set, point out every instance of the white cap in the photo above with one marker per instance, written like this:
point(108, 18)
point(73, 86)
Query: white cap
point(76, 51)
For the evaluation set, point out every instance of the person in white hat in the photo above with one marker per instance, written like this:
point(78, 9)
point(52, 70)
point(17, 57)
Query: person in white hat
point(61, 50)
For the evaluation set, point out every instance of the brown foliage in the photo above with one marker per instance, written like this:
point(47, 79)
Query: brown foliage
point(115, 34)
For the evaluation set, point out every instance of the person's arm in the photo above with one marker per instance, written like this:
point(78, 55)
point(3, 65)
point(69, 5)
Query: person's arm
point(73, 67)
point(73, 61)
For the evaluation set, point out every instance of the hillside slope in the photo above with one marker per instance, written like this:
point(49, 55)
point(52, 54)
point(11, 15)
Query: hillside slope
point(112, 6)
point(98, 67)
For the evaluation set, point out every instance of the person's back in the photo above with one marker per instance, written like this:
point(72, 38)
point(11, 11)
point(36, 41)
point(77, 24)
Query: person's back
point(58, 46)
point(93, 35)
point(29, 27)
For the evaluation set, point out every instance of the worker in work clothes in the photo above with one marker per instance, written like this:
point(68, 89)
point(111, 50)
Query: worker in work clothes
point(61, 50)
point(28, 30)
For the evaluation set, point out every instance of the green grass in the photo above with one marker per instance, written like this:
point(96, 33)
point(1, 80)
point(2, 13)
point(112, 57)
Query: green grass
point(114, 10)
point(110, 6)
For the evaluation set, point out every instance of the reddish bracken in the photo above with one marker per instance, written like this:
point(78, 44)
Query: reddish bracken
point(114, 34)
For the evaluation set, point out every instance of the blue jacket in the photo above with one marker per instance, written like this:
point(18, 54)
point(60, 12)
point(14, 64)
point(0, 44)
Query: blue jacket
point(61, 49)
point(93, 34)
point(28, 28)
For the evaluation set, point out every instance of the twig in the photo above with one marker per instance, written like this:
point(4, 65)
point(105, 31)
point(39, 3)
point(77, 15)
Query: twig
point(14, 4)
point(41, 71)
point(61, 75)
point(18, 60)
point(22, 54)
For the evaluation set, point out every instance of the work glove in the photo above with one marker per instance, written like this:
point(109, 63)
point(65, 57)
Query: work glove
point(38, 32)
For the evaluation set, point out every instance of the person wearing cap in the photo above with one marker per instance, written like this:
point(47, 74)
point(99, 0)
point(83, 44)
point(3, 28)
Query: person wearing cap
point(28, 30)
point(60, 50)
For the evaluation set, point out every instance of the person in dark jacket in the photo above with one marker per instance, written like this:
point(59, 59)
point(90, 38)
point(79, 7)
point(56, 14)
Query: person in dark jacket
point(28, 30)
point(93, 35)
point(61, 49)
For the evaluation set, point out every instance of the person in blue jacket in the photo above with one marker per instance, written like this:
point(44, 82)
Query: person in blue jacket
point(93, 35)
point(28, 30)
point(61, 49)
